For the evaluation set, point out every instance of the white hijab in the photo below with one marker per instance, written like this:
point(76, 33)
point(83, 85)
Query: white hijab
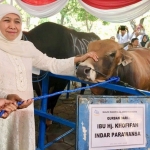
point(16, 47)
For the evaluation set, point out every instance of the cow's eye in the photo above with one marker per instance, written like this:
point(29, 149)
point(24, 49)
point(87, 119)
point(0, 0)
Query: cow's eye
point(113, 54)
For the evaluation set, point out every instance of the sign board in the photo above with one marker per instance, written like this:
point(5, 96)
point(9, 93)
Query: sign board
point(112, 122)
point(116, 126)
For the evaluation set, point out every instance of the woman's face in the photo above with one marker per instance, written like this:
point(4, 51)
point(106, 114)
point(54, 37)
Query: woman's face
point(144, 38)
point(10, 26)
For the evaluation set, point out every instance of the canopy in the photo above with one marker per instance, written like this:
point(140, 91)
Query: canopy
point(107, 10)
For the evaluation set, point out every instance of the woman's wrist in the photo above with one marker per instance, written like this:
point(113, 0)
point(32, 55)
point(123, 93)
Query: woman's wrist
point(77, 59)
point(82, 58)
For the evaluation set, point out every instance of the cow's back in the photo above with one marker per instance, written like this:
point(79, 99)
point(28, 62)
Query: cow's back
point(59, 41)
point(139, 74)
point(52, 39)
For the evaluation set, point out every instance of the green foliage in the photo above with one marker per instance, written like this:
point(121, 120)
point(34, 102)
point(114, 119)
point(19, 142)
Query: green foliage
point(68, 11)
point(83, 15)
point(105, 23)
point(74, 10)
point(4, 2)
point(71, 26)
point(43, 20)
point(70, 8)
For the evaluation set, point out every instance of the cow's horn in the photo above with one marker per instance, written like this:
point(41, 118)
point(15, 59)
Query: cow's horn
point(124, 44)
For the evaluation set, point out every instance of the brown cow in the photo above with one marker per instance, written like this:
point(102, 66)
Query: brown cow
point(133, 67)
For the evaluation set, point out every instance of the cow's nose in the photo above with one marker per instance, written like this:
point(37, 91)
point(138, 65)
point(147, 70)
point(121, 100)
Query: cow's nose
point(83, 71)
point(87, 70)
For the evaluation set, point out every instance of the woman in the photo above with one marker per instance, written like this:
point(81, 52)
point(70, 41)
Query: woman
point(138, 32)
point(145, 40)
point(17, 59)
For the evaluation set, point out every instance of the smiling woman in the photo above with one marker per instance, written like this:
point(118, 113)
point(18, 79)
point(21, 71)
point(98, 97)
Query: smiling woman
point(10, 26)
point(17, 59)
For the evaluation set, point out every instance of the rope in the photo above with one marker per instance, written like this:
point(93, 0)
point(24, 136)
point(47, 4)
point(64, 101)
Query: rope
point(40, 78)
point(112, 79)
point(127, 85)
point(124, 83)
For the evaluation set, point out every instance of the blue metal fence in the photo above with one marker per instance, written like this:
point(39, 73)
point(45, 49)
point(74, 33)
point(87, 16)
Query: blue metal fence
point(43, 115)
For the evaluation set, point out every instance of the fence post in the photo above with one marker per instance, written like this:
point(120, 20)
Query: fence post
point(42, 125)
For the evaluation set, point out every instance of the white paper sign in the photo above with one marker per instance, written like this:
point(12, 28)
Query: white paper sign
point(116, 126)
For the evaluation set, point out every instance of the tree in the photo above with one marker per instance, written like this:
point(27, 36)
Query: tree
point(87, 18)
point(74, 9)
point(68, 10)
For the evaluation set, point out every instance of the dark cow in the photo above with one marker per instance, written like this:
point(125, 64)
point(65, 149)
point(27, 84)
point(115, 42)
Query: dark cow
point(133, 67)
point(60, 42)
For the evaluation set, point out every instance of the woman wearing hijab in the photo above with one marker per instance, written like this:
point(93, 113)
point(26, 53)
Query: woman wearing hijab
point(144, 41)
point(17, 59)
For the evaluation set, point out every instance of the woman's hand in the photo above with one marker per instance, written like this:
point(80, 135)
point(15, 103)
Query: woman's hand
point(15, 97)
point(82, 58)
point(8, 106)
point(4, 102)
point(25, 103)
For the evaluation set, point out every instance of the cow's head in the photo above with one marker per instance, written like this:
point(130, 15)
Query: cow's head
point(110, 55)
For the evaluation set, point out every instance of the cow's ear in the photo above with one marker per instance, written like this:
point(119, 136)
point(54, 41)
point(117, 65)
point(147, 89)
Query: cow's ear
point(125, 60)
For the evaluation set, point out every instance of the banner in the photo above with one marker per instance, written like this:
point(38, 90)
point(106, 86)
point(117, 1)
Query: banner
point(116, 10)
point(43, 11)
point(111, 10)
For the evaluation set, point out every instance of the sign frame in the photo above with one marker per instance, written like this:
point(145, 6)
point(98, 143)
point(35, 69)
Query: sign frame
point(82, 126)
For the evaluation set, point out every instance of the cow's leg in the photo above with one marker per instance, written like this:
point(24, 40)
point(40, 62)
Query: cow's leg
point(82, 85)
point(52, 101)
point(59, 86)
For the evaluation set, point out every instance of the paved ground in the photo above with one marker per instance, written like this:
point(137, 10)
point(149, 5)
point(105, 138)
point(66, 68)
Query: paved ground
point(66, 108)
